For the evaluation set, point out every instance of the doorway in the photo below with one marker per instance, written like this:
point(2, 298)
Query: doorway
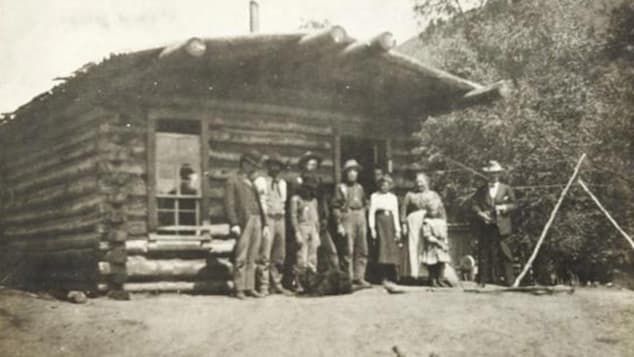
point(370, 153)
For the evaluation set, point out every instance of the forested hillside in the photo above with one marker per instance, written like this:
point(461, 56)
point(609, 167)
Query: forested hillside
point(570, 69)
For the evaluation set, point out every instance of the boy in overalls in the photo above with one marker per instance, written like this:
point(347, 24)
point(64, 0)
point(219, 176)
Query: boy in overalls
point(304, 212)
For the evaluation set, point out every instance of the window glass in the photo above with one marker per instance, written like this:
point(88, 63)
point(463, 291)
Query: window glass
point(177, 164)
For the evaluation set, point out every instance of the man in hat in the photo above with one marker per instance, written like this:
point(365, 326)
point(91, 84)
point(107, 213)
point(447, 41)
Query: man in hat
point(273, 191)
point(349, 204)
point(308, 164)
point(492, 205)
point(248, 222)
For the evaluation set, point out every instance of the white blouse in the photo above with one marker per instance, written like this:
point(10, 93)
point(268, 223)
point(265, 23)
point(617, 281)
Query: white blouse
point(387, 202)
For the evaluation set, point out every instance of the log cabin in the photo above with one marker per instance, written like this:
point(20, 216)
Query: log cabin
point(91, 170)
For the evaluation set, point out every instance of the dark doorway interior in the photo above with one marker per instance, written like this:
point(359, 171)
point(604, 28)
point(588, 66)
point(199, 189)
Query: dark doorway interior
point(370, 153)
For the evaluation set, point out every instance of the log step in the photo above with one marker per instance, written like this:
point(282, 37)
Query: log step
point(217, 287)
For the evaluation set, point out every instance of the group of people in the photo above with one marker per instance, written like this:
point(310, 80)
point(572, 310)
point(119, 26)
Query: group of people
point(328, 229)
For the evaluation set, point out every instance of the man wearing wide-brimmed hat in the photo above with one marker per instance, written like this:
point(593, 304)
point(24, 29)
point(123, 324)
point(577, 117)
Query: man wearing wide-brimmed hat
point(349, 205)
point(273, 191)
point(492, 205)
point(246, 217)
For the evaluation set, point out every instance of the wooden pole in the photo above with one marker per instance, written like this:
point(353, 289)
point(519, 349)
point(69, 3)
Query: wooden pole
point(550, 221)
point(605, 212)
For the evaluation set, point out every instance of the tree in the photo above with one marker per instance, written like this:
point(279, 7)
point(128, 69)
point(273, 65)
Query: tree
point(571, 65)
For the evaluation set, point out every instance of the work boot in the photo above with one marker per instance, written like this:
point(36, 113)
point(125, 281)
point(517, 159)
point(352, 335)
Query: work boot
point(253, 293)
point(362, 283)
point(277, 289)
point(240, 295)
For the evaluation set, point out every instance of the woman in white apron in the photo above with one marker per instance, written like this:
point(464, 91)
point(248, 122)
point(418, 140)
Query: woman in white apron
point(414, 207)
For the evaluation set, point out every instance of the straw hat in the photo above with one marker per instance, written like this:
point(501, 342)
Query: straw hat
point(494, 166)
point(352, 164)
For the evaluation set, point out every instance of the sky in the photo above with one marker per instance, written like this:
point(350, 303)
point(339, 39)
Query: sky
point(44, 39)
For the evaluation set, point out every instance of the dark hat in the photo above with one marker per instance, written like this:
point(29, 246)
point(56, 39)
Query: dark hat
point(352, 164)
point(277, 159)
point(186, 170)
point(253, 157)
point(309, 155)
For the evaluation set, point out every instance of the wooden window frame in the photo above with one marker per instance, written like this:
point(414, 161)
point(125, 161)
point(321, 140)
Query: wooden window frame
point(203, 203)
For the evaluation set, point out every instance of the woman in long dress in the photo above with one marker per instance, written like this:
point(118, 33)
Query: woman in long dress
point(413, 210)
point(385, 229)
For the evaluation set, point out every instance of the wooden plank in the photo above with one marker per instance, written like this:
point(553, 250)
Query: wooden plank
point(337, 155)
point(204, 150)
point(151, 174)
point(233, 158)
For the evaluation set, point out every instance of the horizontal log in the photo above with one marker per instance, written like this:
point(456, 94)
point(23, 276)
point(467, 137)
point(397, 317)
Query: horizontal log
point(218, 106)
point(267, 124)
point(79, 186)
point(136, 227)
point(63, 174)
point(215, 246)
point(69, 259)
point(138, 167)
point(139, 267)
point(56, 133)
point(72, 149)
point(68, 225)
point(218, 287)
point(77, 207)
point(268, 138)
point(234, 158)
point(54, 243)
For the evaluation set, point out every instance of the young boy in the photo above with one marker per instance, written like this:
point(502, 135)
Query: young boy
point(305, 223)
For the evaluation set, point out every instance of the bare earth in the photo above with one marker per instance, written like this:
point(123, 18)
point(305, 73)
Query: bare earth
point(447, 322)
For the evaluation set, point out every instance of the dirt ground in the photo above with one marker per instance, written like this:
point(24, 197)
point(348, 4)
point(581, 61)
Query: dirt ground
point(444, 322)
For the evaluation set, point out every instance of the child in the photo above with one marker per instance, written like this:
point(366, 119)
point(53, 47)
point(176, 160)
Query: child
point(435, 247)
point(305, 222)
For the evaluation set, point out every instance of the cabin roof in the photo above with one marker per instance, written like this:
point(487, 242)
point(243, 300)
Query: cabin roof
point(370, 74)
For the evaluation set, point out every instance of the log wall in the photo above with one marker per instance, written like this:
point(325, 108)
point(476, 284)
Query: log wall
point(52, 206)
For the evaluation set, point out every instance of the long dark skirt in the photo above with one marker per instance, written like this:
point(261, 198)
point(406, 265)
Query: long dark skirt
point(388, 250)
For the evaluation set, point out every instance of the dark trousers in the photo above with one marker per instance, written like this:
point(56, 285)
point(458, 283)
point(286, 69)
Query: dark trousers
point(494, 256)
point(246, 254)
point(272, 254)
point(355, 256)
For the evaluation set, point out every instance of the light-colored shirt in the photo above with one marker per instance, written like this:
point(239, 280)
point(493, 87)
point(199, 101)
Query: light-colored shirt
point(493, 189)
point(273, 194)
point(383, 201)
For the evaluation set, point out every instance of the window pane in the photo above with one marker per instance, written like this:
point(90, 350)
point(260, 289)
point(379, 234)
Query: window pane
point(187, 218)
point(187, 204)
point(166, 203)
point(166, 219)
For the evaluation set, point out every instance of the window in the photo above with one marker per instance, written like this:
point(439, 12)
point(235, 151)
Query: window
point(178, 167)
